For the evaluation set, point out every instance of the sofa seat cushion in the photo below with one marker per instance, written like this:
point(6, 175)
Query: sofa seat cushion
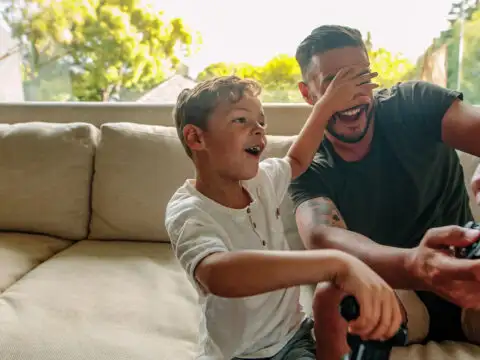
point(101, 300)
point(45, 180)
point(437, 351)
point(20, 253)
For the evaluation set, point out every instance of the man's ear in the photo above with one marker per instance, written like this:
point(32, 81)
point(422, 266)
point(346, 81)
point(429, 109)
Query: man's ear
point(307, 96)
point(194, 137)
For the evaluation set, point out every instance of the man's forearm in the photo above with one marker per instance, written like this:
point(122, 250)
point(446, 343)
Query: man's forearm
point(389, 262)
point(249, 273)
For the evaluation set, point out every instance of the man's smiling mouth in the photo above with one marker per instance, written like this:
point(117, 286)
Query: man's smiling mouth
point(352, 114)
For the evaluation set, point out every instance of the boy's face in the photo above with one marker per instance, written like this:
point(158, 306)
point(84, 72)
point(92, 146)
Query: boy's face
point(235, 138)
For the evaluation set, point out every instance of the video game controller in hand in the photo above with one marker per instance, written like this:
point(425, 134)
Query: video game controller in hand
point(370, 349)
point(471, 251)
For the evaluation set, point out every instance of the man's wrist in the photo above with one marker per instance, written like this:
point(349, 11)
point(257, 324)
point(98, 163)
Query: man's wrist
point(415, 280)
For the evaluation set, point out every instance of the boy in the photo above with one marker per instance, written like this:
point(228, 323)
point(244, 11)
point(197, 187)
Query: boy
point(226, 230)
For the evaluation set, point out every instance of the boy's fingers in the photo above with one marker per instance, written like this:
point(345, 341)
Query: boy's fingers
point(360, 325)
point(383, 324)
point(395, 318)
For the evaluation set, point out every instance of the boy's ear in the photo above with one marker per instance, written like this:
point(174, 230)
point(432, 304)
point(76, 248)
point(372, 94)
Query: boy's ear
point(193, 136)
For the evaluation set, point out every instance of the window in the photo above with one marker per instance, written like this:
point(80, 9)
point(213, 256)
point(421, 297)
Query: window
point(148, 51)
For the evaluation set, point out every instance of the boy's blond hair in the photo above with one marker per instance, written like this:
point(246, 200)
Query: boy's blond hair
point(194, 106)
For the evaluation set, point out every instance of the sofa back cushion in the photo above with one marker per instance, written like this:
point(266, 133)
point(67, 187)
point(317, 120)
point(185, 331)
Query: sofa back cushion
point(45, 178)
point(137, 170)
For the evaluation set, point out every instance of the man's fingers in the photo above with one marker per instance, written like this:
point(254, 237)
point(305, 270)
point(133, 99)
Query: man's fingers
point(351, 72)
point(451, 268)
point(367, 87)
point(359, 100)
point(450, 236)
point(476, 185)
point(365, 78)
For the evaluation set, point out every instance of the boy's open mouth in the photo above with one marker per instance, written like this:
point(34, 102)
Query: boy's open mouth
point(352, 114)
point(255, 150)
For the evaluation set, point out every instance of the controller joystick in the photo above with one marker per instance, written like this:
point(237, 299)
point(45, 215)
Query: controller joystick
point(370, 349)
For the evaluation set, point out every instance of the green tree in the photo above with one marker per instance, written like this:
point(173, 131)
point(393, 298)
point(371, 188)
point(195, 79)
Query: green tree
point(471, 56)
point(279, 77)
point(470, 85)
point(392, 68)
point(107, 45)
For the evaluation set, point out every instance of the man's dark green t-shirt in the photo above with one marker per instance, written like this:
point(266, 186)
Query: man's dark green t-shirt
point(410, 180)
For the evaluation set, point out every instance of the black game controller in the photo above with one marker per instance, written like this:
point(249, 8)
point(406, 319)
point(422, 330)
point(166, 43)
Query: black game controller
point(471, 251)
point(370, 349)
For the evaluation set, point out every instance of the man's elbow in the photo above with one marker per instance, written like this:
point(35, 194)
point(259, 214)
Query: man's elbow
point(316, 238)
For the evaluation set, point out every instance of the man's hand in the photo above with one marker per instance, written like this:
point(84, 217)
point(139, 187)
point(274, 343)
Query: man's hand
point(349, 88)
point(433, 262)
point(476, 185)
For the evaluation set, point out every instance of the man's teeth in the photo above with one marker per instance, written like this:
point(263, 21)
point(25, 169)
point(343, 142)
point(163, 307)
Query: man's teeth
point(350, 112)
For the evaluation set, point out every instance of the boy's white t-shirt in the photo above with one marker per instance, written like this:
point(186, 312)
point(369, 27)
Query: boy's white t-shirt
point(250, 327)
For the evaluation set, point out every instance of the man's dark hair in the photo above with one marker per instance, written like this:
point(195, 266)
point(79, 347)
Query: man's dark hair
point(324, 38)
point(194, 106)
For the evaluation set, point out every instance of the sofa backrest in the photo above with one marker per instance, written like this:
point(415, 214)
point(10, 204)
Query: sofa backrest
point(45, 178)
point(137, 170)
point(111, 183)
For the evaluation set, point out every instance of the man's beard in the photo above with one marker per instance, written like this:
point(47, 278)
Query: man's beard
point(350, 139)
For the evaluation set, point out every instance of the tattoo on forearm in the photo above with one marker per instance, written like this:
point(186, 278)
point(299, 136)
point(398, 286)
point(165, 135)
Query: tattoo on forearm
point(320, 211)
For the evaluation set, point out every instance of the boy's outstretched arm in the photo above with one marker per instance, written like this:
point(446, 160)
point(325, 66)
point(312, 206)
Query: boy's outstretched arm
point(248, 273)
point(251, 272)
point(344, 92)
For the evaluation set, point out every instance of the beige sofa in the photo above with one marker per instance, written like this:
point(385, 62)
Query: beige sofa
point(86, 270)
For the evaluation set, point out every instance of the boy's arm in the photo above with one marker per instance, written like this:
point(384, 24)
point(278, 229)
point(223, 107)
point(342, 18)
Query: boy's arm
point(250, 272)
point(200, 245)
point(301, 153)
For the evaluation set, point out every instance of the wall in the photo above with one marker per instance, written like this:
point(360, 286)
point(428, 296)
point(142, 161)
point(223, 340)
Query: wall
point(282, 119)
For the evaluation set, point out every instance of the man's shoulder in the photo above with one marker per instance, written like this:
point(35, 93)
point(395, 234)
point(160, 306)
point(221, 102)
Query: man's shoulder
point(409, 91)
point(323, 172)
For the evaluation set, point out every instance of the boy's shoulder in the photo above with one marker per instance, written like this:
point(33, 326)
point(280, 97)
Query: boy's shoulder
point(185, 205)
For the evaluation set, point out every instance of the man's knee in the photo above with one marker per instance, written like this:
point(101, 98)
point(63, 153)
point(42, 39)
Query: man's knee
point(471, 325)
point(326, 298)
point(418, 319)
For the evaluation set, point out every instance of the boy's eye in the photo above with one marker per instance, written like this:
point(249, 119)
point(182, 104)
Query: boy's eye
point(240, 120)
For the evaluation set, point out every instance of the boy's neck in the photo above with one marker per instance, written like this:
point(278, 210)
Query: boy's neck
point(223, 191)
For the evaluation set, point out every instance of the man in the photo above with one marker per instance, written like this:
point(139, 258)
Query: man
point(386, 185)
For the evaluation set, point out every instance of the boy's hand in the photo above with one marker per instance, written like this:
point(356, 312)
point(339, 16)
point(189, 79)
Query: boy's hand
point(350, 87)
point(380, 313)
